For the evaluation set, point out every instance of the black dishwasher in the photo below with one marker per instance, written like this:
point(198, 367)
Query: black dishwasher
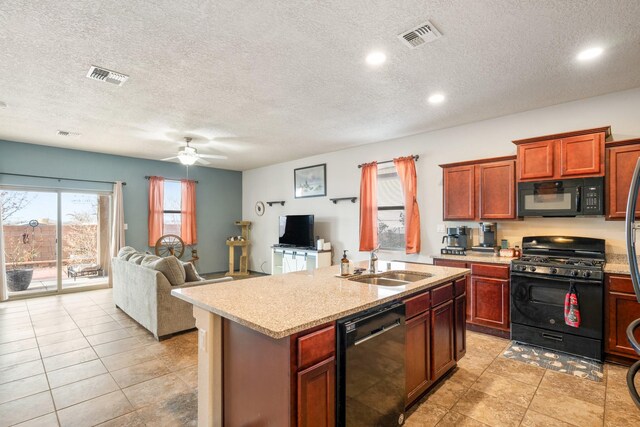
point(371, 373)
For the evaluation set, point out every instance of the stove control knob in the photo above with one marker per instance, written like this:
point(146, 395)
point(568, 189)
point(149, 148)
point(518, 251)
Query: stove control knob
point(574, 273)
point(553, 270)
point(586, 273)
point(532, 268)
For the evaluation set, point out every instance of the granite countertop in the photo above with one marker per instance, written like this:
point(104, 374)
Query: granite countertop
point(476, 257)
point(617, 268)
point(281, 305)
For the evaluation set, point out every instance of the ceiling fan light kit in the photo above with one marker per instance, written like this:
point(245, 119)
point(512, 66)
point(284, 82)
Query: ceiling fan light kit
point(188, 155)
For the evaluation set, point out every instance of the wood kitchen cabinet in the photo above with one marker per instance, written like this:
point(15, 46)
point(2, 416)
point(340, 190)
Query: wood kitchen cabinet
point(460, 318)
point(479, 189)
point(567, 155)
point(417, 366)
point(442, 340)
point(621, 308)
point(316, 395)
point(621, 159)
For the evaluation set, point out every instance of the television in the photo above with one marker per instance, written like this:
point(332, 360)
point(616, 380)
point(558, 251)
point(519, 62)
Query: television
point(296, 230)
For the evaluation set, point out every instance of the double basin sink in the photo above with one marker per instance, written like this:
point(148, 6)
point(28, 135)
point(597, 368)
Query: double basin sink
point(391, 278)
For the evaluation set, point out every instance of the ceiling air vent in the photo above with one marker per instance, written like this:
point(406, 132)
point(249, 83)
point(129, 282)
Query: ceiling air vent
point(422, 34)
point(104, 75)
point(67, 133)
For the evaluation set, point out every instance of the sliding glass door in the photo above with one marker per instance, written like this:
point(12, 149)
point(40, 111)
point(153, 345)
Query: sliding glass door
point(55, 240)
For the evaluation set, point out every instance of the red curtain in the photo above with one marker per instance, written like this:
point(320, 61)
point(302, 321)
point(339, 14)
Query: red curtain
point(156, 209)
point(188, 213)
point(369, 207)
point(406, 168)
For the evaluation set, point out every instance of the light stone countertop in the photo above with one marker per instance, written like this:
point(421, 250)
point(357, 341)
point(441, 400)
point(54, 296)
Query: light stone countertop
point(476, 257)
point(616, 268)
point(281, 305)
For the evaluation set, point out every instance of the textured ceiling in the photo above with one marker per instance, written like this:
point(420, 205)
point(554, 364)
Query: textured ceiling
point(268, 81)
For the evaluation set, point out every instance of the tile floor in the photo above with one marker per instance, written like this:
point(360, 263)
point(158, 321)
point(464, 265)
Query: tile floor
point(75, 360)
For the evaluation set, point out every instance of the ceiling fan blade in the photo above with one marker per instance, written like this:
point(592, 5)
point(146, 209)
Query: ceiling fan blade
point(213, 156)
point(169, 158)
point(204, 162)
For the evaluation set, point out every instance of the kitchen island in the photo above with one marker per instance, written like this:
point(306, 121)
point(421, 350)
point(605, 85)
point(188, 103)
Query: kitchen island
point(266, 346)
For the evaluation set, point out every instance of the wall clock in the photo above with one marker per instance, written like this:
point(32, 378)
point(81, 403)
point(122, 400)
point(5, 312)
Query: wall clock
point(259, 208)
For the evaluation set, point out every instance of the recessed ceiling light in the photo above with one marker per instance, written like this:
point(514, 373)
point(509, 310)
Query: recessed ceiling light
point(436, 98)
point(376, 58)
point(590, 53)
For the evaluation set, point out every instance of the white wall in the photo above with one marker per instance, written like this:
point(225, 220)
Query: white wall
point(489, 138)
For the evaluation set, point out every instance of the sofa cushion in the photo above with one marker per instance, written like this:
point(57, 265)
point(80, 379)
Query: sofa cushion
point(149, 260)
point(126, 252)
point(172, 269)
point(136, 258)
point(191, 273)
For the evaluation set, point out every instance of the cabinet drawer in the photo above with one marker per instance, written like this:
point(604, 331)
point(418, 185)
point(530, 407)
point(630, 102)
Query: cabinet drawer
point(460, 286)
point(490, 270)
point(621, 284)
point(449, 263)
point(441, 294)
point(417, 304)
point(316, 346)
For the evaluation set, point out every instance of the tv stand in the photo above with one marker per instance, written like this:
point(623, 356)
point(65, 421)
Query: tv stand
point(287, 259)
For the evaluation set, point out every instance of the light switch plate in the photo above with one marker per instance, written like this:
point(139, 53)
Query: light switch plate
point(441, 228)
point(126, 226)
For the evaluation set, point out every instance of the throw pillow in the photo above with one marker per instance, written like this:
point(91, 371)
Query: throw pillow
point(149, 260)
point(126, 252)
point(172, 269)
point(191, 273)
point(136, 258)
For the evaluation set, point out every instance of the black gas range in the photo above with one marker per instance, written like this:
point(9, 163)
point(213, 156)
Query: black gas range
point(540, 280)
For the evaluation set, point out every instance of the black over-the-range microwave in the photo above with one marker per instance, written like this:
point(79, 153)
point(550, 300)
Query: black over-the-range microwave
point(570, 197)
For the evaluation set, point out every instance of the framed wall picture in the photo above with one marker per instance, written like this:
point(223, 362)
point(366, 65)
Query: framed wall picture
point(310, 181)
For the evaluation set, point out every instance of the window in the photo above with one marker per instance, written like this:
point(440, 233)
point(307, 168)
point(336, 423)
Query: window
point(390, 210)
point(172, 206)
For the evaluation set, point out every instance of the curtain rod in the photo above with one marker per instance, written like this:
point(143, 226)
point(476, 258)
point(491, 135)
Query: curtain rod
point(59, 178)
point(415, 157)
point(172, 179)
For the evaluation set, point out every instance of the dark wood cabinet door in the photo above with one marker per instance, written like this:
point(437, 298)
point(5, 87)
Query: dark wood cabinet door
point(460, 325)
point(459, 193)
point(442, 340)
point(316, 395)
point(449, 263)
point(417, 353)
point(496, 190)
point(490, 302)
point(621, 161)
point(582, 155)
point(536, 160)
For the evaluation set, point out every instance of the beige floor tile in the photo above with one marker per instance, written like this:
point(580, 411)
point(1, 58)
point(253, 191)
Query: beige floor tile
point(18, 357)
point(80, 391)
point(621, 416)
point(446, 394)
point(156, 390)
point(127, 358)
point(14, 346)
point(58, 337)
point(74, 373)
point(131, 419)
point(6, 337)
point(24, 387)
point(105, 337)
point(63, 347)
point(454, 419)
point(189, 375)
point(489, 410)
point(516, 370)
point(589, 391)
point(53, 329)
point(475, 363)
point(49, 420)
point(119, 346)
point(463, 376)
point(560, 406)
point(536, 419)
point(425, 415)
point(95, 320)
point(67, 359)
point(95, 411)
point(176, 361)
point(27, 408)
point(140, 373)
point(505, 388)
point(179, 409)
point(23, 370)
point(102, 327)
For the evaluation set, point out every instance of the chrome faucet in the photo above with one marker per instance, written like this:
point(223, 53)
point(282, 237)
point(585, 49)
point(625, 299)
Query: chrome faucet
point(373, 258)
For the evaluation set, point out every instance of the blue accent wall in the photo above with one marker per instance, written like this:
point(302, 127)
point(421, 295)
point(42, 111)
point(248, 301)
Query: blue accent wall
point(219, 192)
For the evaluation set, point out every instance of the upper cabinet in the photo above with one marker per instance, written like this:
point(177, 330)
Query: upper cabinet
point(622, 157)
point(479, 190)
point(576, 154)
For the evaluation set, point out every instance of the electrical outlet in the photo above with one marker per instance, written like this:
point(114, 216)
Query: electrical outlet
point(440, 228)
point(126, 226)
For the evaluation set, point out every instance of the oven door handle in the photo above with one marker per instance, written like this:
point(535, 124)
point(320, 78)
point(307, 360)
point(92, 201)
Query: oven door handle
point(578, 280)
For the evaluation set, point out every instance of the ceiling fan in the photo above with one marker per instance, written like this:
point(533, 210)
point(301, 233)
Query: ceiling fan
point(189, 155)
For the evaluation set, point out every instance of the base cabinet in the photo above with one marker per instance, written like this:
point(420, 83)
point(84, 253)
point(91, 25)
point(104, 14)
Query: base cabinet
point(442, 345)
point(316, 395)
point(460, 327)
point(490, 302)
point(621, 308)
point(417, 366)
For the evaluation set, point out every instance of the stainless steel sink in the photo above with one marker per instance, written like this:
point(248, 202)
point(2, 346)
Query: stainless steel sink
point(391, 278)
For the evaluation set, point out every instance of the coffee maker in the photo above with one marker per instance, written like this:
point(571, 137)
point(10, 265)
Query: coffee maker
point(487, 236)
point(457, 241)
